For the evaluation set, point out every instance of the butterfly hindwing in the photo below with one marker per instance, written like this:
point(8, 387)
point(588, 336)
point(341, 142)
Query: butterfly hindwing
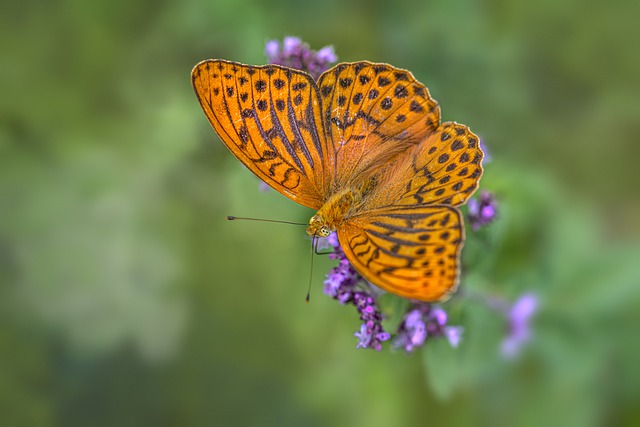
point(409, 251)
point(444, 169)
point(269, 117)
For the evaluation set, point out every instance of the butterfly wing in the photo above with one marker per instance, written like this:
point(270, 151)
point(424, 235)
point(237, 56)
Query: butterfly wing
point(372, 113)
point(269, 118)
point(411, 251)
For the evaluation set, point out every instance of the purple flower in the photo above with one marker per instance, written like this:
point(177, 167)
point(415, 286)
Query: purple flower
point(487, 155)
point(263, 186)
point(294, 53)
point(371, 334)
point(519, 317)
point(327, 55)
point(333, 240)
point(415, 330)
point(344, 284)
point(272, 49)
point(422, 322)
point(454, 335)
point(482, 211)
point(364, 336)
point(440, 316)
point(341, 281)
point(292, 46)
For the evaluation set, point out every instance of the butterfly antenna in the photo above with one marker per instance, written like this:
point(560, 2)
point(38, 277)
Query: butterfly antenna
point(314, 245)
point(233, 218)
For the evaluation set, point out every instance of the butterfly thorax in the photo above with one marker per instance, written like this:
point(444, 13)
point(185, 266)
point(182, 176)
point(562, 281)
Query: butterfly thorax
point(335, 210)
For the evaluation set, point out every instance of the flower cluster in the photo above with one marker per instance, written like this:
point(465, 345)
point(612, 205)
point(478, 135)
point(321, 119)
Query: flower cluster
point(347, 286)
point(482, 211)
point(425, 320)
point(344, 284)
point(294, 53)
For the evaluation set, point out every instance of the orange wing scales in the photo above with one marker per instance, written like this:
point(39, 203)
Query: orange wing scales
point(443, 169)
point(409, 251)
point(453, 162)
point(269, 118)
point(372, 112)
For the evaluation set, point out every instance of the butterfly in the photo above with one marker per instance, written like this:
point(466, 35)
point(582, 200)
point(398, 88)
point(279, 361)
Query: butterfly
point(364, 146)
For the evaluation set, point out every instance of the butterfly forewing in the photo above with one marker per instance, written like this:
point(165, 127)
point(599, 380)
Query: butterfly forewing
point(409, 251)
point(269, 117)
point(371, 113)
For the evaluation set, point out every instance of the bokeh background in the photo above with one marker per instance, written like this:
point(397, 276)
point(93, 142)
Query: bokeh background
point(127, 299)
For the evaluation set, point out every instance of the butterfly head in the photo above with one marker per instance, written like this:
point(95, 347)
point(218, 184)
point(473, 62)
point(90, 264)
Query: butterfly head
point(318, 227)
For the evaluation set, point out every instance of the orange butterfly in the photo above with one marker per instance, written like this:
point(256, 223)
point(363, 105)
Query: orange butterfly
point(363, 146)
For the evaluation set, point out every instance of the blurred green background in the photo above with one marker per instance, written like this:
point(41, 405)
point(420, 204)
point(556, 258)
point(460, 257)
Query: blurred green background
point(127, 299)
